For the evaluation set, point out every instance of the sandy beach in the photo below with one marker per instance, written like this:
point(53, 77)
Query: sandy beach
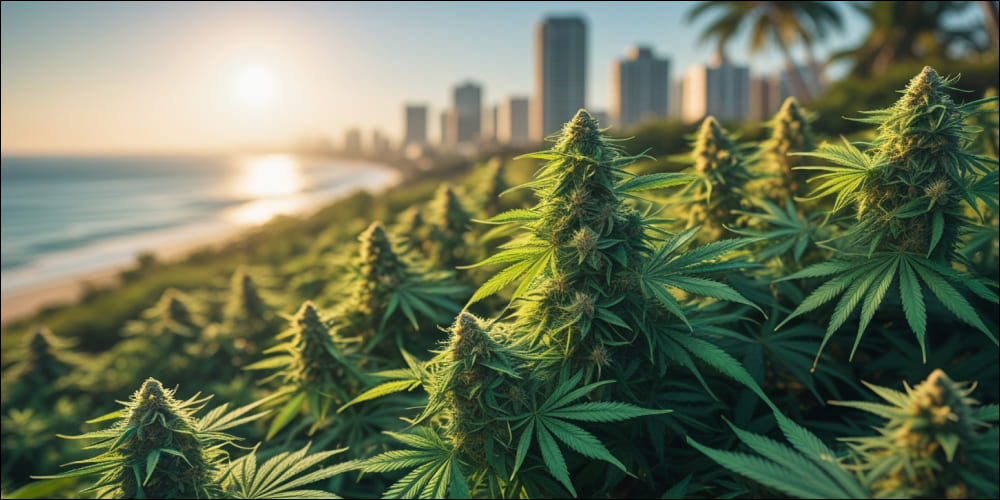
point(68, 290)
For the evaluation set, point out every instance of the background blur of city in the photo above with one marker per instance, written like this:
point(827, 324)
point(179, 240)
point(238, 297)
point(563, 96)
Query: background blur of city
point(733, 61)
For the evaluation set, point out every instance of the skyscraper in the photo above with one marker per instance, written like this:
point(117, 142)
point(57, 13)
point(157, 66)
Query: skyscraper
point(719, 89)
point(639, 87)
point(468, 107)
point(560, 73)
point(416, 125)
point(352, 141)
point(512, 121)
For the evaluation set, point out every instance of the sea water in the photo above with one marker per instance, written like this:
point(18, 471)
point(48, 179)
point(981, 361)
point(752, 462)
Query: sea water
point(66, 216)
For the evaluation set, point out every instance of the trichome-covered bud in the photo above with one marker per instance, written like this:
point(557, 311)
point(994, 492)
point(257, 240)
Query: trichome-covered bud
point(173, 311)
point(791, 132)
point(245, 304)
point(723, 176)
point(582, 134)
point(928, 447)
point(478, 384)
point(382, 270)
point(449, 227)
point(162, 456)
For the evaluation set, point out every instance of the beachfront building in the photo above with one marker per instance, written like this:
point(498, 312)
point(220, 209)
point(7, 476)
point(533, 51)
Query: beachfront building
point(513, 121)
point(640, 87)
point(467, 106)
point(719, 89)
point(560, 74)
point(415, 119)
point(489, 130)
point(352, 141)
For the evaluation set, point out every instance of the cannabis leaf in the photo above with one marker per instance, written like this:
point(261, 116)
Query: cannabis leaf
point(807, 469)
point(276, 478)
point(436, 469)
point(548, 422)
point(867, 281)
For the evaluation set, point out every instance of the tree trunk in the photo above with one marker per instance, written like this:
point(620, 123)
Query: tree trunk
point(990, 20)
point(794, 77)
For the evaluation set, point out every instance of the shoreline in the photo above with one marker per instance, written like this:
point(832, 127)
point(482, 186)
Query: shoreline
point(69, 289)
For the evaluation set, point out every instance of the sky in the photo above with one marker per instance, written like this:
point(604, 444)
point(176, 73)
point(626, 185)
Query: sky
point(171, 77)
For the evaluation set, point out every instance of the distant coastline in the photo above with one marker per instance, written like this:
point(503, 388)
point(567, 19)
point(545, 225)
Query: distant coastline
point(63, 278)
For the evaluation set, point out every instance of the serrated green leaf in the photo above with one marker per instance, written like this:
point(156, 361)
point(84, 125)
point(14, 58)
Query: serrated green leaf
point(913, 304)
point(553, 458)
point(286, 415)
point(580, 440)
point(654, 181)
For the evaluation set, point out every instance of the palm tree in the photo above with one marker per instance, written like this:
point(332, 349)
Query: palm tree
point(906, 31)
point(783, 23)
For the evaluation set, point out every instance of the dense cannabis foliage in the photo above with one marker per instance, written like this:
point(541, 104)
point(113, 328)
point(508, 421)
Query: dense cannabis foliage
point(394, 297)
point(936, 444)
point(908, 189)
point(598, 358)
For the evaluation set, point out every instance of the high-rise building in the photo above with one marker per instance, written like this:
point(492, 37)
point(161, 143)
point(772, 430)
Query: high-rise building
point(767, 93)
point(765, 98)
point(640, 87)
point(675, 99)
point(446, 135)
point(352, 141)
point(719, 89)
point(489, 132)
point(416, 124)
point(468, 106)
point(513, 121)
point(560, 74)
point(381, 144)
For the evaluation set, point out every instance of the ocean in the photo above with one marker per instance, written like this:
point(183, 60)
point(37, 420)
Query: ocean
point(67, 216)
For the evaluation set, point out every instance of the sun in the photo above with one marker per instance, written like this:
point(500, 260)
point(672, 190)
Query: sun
point(255, 86)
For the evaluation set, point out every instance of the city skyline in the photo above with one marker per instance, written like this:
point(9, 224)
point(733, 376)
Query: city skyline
point(97, 77)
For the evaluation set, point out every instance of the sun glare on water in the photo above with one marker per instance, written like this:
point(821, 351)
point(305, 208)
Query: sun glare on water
point(255, 86)
point(273, 183)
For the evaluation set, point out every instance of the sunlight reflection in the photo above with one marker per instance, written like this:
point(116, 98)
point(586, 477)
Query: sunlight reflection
point(274, 184)
point(261, 211)
point(270, 176)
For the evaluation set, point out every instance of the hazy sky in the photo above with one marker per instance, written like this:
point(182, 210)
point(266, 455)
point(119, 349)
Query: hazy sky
point(161, 76)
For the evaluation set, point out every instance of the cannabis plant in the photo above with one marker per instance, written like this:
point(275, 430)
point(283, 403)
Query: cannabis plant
point(908, 189)
point(317, 370)
point(722, 175)
point(791, 132)
point(44, 363)
point(596, 298)
point(394, 296)
point(936, 444)
point(247, 323)
point(159, 449)
point(485, 411)
point(450, 225)
point(596, 275)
